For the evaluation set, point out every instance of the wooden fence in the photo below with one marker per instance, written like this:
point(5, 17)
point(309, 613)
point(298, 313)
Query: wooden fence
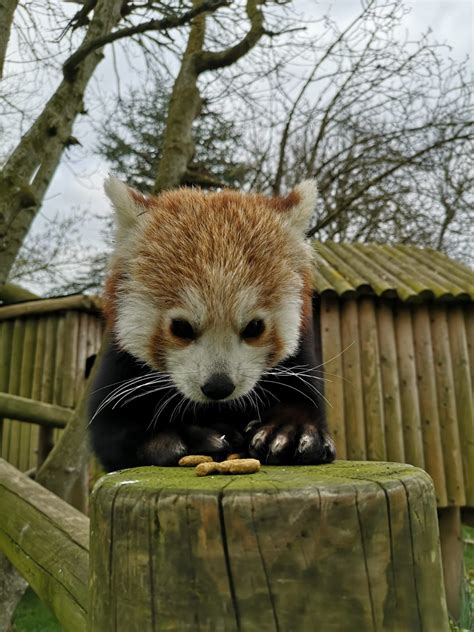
point(44, 346)
point(399, 383)
point(398, 379)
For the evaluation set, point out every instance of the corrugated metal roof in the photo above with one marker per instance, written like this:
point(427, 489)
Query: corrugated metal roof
point(406, 272)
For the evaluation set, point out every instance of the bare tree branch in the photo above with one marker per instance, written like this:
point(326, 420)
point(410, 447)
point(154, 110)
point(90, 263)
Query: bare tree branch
point(152, 25)
point(208, 60)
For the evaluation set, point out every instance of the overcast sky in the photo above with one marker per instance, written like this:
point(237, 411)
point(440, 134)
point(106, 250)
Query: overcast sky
point(80, 185)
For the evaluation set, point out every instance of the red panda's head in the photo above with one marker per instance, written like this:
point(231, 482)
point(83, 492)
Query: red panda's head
point(210, 284)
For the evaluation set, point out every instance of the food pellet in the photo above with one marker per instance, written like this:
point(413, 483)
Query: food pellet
point(194, 459)
point(203, 469)
point(239, 466)
point(232, 457)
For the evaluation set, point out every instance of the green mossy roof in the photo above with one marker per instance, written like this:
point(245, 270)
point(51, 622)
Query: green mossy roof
point(405, 272)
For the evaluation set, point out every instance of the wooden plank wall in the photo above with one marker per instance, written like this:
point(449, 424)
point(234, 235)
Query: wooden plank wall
point(43, 357)
point(399, 381)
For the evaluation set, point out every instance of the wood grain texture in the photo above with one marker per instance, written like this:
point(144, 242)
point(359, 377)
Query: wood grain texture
point(464, 395)
point(31, 411)
point(39, 361)
point(45, 437)
point(469, 324)
point(446, 400)
point(48, 542)
point(47, 306)
point(393, 421)
point(6, 337)
point(371, 381)
point(333, 370)
point(412, 435)
point(26, 382)
point(12, 433)
point(353, 393)
point(430, 422)
point(346, 546)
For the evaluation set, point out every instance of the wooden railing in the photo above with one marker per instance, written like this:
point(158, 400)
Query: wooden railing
point(347, 546)
point(47, 540)
point(33, 411)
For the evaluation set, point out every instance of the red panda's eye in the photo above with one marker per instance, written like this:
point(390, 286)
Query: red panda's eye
point(254, 329)
point(182, 329)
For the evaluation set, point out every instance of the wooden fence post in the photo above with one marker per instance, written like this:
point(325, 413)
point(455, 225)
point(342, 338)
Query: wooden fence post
point(342, 547)
point(449, 520)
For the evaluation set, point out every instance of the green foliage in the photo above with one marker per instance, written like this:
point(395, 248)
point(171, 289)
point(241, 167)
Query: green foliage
point(132, 142)
point(469, 552)
point(32, 616)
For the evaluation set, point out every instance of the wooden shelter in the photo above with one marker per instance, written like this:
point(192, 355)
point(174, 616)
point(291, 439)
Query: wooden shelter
point(44, 346)
point(395, 332)
point(396, 328)
point(397, 338)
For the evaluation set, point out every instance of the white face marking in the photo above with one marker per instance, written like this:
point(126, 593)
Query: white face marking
point(137, 320)
point(219, 347)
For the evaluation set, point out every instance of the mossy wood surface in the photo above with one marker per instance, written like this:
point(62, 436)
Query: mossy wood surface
point(407, 272)
point(347, 546)
point(48, 542)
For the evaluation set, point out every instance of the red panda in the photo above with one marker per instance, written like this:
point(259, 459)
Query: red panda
point(209, 311)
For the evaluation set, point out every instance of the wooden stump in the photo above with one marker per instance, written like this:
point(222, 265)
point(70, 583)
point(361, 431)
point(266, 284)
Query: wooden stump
point(348, 546)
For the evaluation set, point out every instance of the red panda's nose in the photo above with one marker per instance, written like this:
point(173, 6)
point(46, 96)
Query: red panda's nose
point(218, 386)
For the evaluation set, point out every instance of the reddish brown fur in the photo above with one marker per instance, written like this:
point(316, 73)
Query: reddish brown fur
point(188, 233)
point(307, 294)
point(141, 200)
point(158, 346)
point(277, 346)
point(217, 244)
point(112, 284)
point(282, 204)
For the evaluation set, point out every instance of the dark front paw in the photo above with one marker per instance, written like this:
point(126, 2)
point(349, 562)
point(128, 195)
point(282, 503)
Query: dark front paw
point(290, 436)
point(168, 446)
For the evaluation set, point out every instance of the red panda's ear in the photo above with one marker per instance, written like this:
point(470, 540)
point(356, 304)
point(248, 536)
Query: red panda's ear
point(127, 203)
point(299, 214)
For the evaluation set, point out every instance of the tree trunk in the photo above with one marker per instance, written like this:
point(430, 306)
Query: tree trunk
point(7, 11)
point(12, 589)
point(184, 107)
point(65, 463)
point(185, 102)
point(30, 168)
